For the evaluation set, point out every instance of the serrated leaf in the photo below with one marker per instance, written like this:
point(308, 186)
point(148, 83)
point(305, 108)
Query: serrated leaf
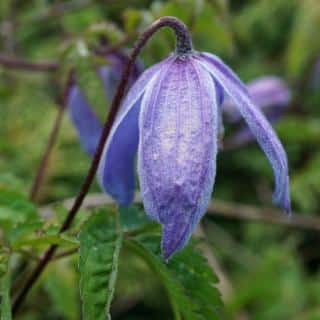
point(5, 306)
point(187, 278)
point(18, 216)
point(15, 208)
point(44, 240)
point(100, 244)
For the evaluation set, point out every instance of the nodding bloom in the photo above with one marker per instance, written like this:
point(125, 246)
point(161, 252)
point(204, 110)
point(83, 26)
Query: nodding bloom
point(82, 115)
point(270, 93)
point(170, 117)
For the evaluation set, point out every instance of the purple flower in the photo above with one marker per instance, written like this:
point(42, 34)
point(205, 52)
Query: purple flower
point(270, 93)
point(171, 116)
point(83, 117)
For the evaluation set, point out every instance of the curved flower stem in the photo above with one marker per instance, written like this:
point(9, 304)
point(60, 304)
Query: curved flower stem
point(183, 46)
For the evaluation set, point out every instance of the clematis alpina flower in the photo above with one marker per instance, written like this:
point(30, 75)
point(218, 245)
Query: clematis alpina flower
point(270, 93)
point(82, 115)
point(171, 116)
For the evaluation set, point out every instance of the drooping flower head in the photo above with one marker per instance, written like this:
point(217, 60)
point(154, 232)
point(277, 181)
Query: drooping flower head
point(270, 93)
point(82, 115)
point(170, 117)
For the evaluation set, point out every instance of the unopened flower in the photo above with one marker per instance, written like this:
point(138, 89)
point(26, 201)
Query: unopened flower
point(171, 116)
point(82, 115)
point(270, 93)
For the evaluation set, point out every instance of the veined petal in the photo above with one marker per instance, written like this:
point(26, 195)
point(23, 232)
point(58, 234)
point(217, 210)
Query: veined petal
point(84, 119)
point(244, 135)
point(177, 150)
point(116, 169)
point(257, 122)
point(270, 93)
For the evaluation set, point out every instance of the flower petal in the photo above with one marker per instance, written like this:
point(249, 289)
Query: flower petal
point(177, 151)
point(111, 73)
point(270, 93)
point(257, 122)
point(244, 135)
point(84, 119)
point(116, 168)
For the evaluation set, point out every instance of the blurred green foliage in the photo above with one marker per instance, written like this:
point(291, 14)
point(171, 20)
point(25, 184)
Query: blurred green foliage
point(274, 271)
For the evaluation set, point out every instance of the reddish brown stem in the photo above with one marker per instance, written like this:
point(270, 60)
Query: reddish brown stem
point(19, 63)
point(61, 101)
point(183, 46)
point(45, 158)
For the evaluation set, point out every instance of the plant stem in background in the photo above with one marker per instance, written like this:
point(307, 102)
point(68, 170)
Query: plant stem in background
point(183, 44)
point(19, 63)
point(45, 158)
point(225, 209)
point(62, 100)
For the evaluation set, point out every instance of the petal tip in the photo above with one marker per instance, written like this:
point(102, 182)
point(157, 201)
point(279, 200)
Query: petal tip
point(283, 202)
point(174, 238)
point(167, 252)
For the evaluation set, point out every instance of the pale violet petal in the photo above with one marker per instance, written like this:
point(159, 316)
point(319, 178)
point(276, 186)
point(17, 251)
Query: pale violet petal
point(257, 122)
point(269, 93)
point(116, 168)
point(84, 119)
point(177, 149)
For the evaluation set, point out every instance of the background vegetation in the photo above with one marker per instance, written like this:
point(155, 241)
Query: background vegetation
point(267, 271)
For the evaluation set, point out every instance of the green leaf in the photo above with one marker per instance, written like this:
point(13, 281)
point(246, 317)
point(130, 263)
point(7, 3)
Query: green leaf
point(304, 33)
point(15, 208)
point(307, 178)
point(61, 285)
point(309, 132)
point(44, 240)
point(132, 19)
point(107, 29)
point(18, 216)
point(5, 306)
point(254, 30)
point(134, 220)
point(100, 244)
point(187, 278)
